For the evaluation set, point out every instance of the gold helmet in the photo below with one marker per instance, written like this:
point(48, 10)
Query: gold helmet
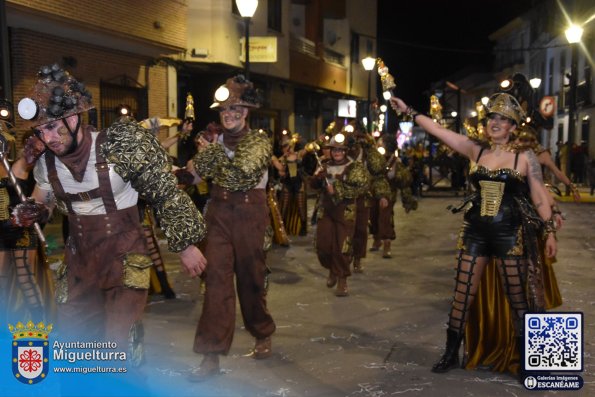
point(527, 137)
point(505, 105)
point(236, 91)
point(55, 95)
point(338, 141)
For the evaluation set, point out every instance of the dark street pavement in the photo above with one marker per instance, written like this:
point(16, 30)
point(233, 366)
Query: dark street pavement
point(379, 341)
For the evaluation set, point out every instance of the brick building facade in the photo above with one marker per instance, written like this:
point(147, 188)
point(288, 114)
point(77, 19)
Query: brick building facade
point(99, 42)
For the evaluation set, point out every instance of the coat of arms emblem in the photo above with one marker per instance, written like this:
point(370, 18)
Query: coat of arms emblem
point(30, 351)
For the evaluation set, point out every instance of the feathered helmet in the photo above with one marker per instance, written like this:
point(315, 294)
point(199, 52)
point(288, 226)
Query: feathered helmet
point(55, 95)
point(236, 91)
point(505, 105)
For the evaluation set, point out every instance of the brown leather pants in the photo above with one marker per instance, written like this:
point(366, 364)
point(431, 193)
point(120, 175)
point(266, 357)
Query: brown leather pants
point(360, 235)
point(99, 306)
point(384, 221)
point(334, 236)
point(236, 223)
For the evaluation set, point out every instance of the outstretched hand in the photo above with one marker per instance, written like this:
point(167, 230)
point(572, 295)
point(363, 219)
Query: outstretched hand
point(398, 105)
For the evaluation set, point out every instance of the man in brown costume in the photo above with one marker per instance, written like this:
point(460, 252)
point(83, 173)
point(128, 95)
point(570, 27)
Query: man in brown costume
point(237, 215)
point(95, 178)
point(341, 180)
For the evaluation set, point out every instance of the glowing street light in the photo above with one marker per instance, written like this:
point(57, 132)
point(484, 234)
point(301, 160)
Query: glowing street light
point(247, 8)
point(535, 82)
point(369, 63)
point(573, 35)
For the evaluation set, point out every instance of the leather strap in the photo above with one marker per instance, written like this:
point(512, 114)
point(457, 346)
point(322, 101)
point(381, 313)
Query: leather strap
point(105, 187)
point(102, 168)
point(61, 195)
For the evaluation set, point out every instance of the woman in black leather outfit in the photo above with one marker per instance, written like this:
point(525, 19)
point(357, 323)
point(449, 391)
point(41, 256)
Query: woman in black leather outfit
point(509, 211)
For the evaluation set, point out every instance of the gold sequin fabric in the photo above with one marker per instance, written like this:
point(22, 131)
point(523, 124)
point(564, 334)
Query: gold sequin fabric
point(139, 159)
point(376, 164)
point(497, 172)
point(243, 172)
point(517, 249)
point(353, 184)
point(403, 181)
point(381, 188)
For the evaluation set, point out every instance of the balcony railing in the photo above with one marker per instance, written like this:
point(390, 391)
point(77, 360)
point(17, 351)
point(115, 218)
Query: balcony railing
point(303, 45)
point(335, 57)
point(308, 47)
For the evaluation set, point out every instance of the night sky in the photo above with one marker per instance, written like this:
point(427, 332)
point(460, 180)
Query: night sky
point(423, 41)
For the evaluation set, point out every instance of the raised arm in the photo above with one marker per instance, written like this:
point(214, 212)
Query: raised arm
point(545, 159)
point(278, 165)
point(457, 142)
point(170, 141)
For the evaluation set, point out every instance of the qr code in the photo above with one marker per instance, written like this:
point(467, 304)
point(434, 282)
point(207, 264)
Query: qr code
point(554, 341)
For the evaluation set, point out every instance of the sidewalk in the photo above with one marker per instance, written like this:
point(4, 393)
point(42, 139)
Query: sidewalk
point(584, 191)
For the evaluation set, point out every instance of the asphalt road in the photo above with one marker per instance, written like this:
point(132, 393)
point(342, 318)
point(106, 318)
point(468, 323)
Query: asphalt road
point(379, 341)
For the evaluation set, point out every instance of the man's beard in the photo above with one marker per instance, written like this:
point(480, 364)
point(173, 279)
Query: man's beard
point(71, 148)
point(73, 144)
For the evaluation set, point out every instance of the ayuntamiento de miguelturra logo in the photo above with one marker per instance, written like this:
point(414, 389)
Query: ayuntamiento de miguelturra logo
point(30, 351)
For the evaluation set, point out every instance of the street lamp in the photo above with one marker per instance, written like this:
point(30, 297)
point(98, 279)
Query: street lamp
point(369, 63)
point(573, 35)
point(247, 8)
point(535, 82)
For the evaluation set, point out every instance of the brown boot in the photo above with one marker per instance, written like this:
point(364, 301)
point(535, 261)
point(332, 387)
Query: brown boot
point(208, 368)
point(357, 265)
point(342, 287)
point(376, 245)
point(386, 249)
point(331, 280)
point(263, 348)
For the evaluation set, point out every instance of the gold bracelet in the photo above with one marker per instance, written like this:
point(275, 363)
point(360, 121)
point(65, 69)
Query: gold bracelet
point(550, 226)
point(411, 113)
